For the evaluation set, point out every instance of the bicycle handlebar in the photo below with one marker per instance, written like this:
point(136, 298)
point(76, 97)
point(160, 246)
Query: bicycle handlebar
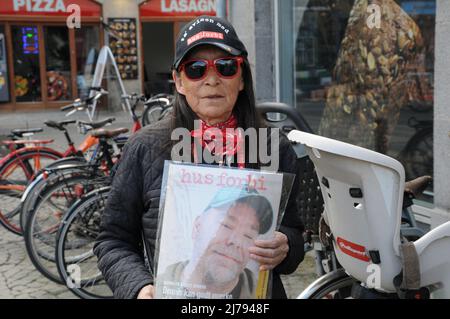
point(164, 100)
point(133, 96)
point(79, 104)
point(95, 88)
point(67, 107)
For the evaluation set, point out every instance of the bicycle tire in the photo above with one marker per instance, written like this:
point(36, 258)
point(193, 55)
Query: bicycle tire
point(43, 258)
point(32, 192)
point(419, 146)
point(86, 207)
point(10, 218)
point(336, 284)
point(152, 114)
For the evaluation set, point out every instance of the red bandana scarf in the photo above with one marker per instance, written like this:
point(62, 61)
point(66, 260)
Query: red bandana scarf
point(218, 140)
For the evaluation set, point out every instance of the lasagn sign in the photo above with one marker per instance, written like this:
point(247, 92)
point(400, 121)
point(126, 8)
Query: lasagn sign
point(59, 8)
point(178, 8)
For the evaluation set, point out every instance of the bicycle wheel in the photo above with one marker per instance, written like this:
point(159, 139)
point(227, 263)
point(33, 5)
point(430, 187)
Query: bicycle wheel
point(15, 174)
point(76, 262)
point(418, 154)
point(44, 221)
point(31, 194)
point(152, 114)
point(334, 285)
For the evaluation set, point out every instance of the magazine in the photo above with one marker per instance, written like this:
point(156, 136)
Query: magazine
point(209, 217)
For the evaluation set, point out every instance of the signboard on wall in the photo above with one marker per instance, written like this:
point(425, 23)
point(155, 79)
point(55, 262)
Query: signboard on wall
point(178, 8)
point(125, 49)
point(57, 8)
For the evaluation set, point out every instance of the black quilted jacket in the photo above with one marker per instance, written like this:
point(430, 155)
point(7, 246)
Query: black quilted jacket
point(133, 206)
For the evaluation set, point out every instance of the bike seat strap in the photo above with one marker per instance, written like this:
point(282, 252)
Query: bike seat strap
point(19, 132)
point(108, 133)
point(98, 124)
point(418, 185)
point(59, 125)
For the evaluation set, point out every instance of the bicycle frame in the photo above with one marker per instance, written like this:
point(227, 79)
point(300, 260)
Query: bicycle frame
point(88, 142)
point(136, 126)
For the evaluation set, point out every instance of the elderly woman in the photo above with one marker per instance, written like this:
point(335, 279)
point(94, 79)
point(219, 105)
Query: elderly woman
point(214, 85)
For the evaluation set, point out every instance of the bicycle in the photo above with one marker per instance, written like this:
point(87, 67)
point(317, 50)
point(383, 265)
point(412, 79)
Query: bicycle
point(418, 152)
point(311, 204)
point(333, 283)
point(363, 193)
point(67, 186)
point(17, 167)
point(157, 108)
point(74, 247)
point(23, 164)
point(31, 193)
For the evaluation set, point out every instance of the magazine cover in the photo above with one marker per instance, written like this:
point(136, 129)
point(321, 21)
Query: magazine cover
point(209, 217)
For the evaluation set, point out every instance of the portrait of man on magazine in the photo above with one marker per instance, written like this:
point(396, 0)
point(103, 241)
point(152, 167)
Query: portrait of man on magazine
point(208, 228)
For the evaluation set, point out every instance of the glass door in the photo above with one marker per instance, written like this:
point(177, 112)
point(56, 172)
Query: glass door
point(57, 57)
point(27, 81)
point(158, 58)
point(87, 44)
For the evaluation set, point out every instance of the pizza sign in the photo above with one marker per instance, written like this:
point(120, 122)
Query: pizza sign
point(49, 7)
point(39, 5)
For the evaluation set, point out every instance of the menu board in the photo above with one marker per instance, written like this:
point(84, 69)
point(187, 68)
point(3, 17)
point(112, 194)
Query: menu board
point(124, 47)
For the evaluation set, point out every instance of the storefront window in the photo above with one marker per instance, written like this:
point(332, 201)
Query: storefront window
point(88, 46)
point(366, 83)
point(27, 82)
point(57, 53)
point(157, 63)
point(4, 87)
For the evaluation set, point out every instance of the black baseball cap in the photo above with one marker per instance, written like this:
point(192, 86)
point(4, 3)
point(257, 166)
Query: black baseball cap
point(208, 30)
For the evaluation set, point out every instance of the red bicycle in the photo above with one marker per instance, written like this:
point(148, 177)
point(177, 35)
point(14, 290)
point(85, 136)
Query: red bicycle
point(12, 188)
point(27, 157)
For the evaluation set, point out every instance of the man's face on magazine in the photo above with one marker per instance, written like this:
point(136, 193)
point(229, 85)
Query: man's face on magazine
point(225, 236)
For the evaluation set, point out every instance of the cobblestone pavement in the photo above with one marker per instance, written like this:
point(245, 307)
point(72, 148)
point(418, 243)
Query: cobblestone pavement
point(19, 278)
point(304, 275)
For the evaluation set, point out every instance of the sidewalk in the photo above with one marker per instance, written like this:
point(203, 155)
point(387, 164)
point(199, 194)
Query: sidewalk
point(18, 277)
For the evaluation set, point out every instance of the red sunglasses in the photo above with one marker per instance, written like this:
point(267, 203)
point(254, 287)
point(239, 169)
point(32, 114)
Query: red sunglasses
point(196, 69)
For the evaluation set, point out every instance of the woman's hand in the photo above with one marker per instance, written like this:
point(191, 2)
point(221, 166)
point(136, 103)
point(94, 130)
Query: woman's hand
point(270, 253)
point(147, 292)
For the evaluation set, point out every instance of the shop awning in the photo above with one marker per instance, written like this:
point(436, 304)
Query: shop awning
point(13, 9)
point(177, 8)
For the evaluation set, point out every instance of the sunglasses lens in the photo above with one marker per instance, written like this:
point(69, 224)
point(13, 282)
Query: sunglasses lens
point(195, 69)
point(227, 67)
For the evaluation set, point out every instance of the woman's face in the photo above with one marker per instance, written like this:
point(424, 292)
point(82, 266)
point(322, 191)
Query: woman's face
point(213, 97)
